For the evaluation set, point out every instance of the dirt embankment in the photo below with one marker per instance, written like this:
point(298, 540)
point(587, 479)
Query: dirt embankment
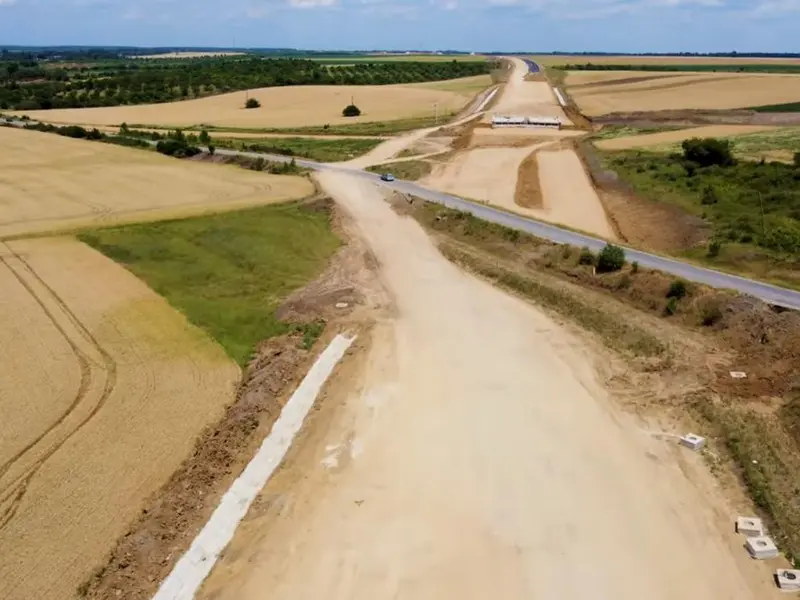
point(678, 357)
point(433, 449)
point(172, 517)
point(692, 118)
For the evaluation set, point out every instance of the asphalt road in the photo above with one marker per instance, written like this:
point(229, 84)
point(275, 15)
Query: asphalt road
point(769, 293)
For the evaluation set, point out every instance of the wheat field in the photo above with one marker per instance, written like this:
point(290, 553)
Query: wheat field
point(50, 183)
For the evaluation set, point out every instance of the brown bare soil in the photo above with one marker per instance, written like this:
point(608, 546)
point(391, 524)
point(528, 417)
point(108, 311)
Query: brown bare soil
point(373, 483)
point(172, 517)
point(677, 368)
point(528, 193)
point(82, 470)
point(50, 183)
point(290, 106)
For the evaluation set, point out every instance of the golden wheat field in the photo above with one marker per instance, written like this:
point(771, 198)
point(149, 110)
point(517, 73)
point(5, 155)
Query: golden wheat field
point(290, 106)
point(566, 59)
point(52, 183)
point(104, 390)
point(710, 91)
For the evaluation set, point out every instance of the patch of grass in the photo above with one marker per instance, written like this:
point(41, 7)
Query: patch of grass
point(609, 132)
point(754, 208)
point(748, 144)
point(410, 170)
point(360, 128)
point(321, 150)
point(229, 272)
point(771, 108)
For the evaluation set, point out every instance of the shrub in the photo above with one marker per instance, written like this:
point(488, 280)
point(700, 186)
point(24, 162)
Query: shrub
point(706, 152)
point(677, 289)
point(709, 312)
point(634, 267)
point(611, 258)
point(797, 159)
point(351, 110)
point(252, 103)
point(710, 195)
point(586, 257)
point(211, 150)
point(176, 148)
point(714, 248)
point(671, 307)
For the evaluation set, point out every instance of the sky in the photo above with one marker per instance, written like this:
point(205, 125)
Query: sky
point(468, 25)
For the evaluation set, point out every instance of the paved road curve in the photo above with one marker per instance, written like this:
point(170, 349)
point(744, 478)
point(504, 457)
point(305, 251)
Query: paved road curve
point(769, 293)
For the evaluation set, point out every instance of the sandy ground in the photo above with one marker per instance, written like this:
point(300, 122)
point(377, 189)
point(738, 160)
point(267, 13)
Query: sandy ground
point(48, 182)
point(476, 457)
point(569, 197)
point(517, 135)
point(290, 106)
point(527, 98)
point(139, 384)
point(485, 174)
point(696, 91)
point(671, 137)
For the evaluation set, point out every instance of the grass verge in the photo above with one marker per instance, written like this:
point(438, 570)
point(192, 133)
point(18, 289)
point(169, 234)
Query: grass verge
point(229, 272)
point(321, 150)
point(410, 170)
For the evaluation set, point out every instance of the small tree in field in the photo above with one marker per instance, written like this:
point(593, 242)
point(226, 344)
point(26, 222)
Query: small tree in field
point(706, 152)
point(204, 138)
point(351, 110)
point(252, 103)
point(797, 159)
point(611, 258)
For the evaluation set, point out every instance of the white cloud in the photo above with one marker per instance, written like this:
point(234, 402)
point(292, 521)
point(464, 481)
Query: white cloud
point(311, 3)
point(7, 2)
point(774, 8)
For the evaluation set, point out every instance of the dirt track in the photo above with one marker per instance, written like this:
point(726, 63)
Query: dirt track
point(147, 383)
point(476, 457)
point(48, 182)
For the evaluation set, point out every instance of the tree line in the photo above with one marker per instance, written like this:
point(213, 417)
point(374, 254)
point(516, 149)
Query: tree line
point(34, 85)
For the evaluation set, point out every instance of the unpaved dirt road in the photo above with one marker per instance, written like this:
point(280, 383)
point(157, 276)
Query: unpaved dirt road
point(569, 196)
point(478, 459)
point(526, 98)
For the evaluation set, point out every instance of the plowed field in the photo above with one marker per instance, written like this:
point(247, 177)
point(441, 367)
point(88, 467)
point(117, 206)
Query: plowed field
point(49, 182)
point(105, 388)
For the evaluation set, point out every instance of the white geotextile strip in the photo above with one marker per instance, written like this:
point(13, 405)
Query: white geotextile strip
point(560, 97)
point(193, 567)
point(486, 100)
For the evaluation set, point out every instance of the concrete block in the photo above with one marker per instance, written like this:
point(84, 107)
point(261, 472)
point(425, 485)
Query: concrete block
point(750, 526)
point(761, 547)
point(788, 579)
point(692, 441)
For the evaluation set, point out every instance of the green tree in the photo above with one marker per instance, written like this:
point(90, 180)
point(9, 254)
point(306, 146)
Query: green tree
point(252, 103)
point(351, 110)
point(706, 152)
point(797, 159)
point(611, 258)
point(205, 139)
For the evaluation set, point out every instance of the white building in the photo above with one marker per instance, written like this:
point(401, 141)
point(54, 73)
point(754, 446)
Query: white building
point(516, 121)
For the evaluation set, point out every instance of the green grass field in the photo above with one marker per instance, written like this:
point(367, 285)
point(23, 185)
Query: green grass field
point(410, 170)
point(745, 145)
point(772, 108)
point(609, 132)
point(228, 272)
point(313, 148)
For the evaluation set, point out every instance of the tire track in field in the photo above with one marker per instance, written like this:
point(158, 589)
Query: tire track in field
point(13, 495)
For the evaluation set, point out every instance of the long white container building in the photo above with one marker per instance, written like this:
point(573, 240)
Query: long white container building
point(516, 121)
